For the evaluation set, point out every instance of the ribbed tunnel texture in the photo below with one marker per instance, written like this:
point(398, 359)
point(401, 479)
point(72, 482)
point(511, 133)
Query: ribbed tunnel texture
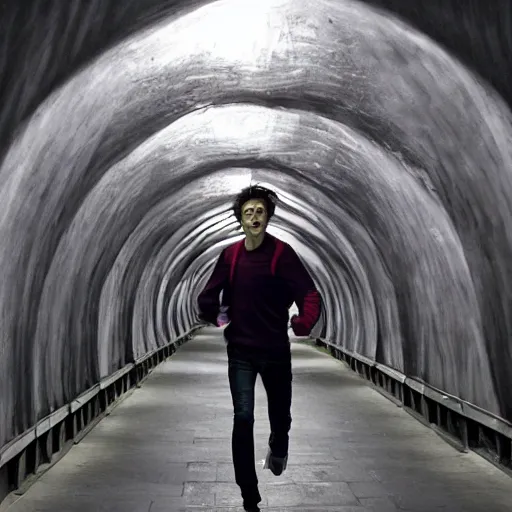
point(128, 127)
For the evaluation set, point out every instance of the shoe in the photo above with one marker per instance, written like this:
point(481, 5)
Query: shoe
point(276, 464)
point(251, 508)
point(251, 499)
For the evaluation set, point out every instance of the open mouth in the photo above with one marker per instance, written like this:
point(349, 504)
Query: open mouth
point(255, 224)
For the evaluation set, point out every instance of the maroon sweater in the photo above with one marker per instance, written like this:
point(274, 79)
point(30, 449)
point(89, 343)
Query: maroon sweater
point(259, 301)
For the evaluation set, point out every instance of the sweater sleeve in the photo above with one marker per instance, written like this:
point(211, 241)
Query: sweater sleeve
point(208, 300)
point(305, 293)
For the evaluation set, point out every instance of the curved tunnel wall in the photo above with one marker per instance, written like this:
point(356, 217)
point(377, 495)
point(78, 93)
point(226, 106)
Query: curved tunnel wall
point(392, 160)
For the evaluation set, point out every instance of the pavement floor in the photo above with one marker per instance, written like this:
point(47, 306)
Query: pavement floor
point(167, 448)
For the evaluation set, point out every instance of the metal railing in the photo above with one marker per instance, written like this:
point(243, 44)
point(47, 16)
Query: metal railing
point(460, 423)
point(37, 449)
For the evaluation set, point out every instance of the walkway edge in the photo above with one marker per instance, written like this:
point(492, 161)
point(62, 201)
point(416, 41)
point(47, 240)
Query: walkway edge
point(28, 456)
point(462, 424)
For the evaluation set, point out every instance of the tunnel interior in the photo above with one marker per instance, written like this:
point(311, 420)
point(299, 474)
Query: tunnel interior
point(127, 132)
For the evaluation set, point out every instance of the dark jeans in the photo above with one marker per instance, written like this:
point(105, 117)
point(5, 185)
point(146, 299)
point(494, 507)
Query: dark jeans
point(276, 374)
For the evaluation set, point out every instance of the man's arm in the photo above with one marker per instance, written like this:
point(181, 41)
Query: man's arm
point(305, 294)
point(208, 300)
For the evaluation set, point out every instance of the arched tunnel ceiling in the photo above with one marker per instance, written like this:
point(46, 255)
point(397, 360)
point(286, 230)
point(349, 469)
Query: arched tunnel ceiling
point(391, 158)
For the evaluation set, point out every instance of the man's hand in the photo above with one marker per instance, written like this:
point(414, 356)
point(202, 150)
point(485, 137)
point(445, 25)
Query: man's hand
point(223, 317)
point(298, 327)
point(221, 322)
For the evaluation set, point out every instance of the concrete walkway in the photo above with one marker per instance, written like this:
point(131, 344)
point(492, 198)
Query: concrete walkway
point(167, 448)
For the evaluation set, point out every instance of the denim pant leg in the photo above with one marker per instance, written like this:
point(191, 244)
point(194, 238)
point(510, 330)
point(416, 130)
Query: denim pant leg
point(242, 380)
point(276, 375)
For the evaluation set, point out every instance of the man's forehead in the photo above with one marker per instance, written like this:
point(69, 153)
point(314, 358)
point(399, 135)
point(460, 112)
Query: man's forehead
point(254, 203)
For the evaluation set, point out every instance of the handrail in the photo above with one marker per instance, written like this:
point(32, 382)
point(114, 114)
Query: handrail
point(462, 407)
point(19, 443)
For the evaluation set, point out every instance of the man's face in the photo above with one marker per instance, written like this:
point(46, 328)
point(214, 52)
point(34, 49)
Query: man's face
point(254, 217)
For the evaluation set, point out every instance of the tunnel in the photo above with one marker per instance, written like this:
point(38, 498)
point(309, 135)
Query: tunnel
point(126, 131)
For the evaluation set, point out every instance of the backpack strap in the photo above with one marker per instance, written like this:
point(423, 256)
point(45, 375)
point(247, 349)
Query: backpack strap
point(236, 252)
point(277, 252)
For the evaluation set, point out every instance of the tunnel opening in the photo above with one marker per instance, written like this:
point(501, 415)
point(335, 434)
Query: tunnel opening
point(423, 229)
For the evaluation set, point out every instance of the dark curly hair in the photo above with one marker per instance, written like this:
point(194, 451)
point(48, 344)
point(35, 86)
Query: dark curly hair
point(255, 192)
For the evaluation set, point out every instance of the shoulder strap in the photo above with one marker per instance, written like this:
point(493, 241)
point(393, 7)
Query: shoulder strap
point(236, 252)
point(277, 252)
